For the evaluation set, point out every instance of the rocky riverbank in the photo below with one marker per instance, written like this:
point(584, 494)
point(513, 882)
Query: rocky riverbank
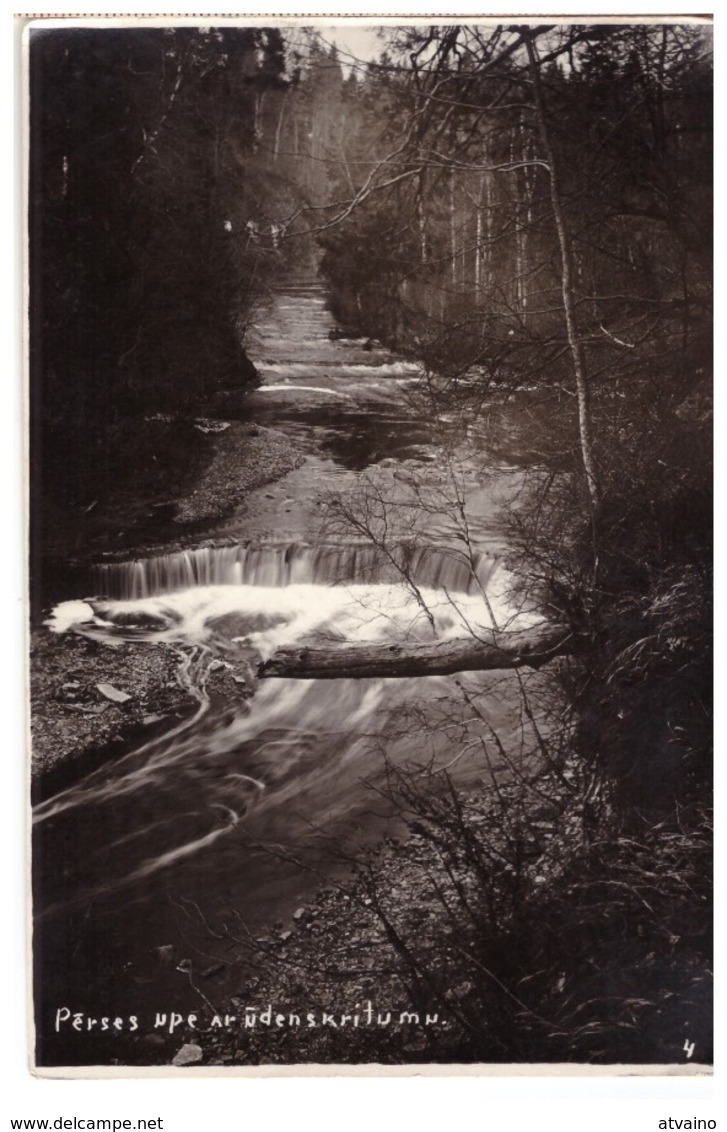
point(70, 713)
point(386, 967)
point(487, 933)
point(245, 457)
point(74, 724)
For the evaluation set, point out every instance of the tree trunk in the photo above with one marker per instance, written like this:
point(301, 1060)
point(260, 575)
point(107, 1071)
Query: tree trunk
point(452, 232)
point(276, 149)
point(478, 246)
point(526, 648)
point(566, 259)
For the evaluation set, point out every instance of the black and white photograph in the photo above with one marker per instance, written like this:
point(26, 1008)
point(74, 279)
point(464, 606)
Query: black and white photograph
point(369, 386)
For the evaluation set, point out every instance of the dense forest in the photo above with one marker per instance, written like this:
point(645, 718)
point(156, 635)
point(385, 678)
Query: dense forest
point(537, 214)
point(526, 210)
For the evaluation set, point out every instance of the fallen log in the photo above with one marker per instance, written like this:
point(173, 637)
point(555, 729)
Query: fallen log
point(525, 648)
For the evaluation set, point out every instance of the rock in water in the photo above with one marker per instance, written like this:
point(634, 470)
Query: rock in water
point(188, 1054)
point(112, 693)
point(165, 953)
point(204, 424)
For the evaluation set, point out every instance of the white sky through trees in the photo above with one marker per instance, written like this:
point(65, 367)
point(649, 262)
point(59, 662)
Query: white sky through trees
point(354, 42)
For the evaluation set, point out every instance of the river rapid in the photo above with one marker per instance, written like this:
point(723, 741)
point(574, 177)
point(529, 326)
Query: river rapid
point(144, 869)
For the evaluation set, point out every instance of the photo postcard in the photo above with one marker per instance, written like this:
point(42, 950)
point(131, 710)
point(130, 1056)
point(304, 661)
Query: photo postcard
point(370, 515)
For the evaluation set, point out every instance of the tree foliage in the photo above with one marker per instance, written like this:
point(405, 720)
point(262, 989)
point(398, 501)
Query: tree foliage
point(141, 266)
point(545, 199)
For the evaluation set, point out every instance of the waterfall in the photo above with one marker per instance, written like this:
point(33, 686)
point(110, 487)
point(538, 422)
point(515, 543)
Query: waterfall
point(292, 564)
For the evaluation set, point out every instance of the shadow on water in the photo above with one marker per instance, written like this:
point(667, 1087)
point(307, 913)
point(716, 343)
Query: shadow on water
point(353, 438)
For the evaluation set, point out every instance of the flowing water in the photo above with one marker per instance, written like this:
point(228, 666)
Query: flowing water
point(226, 822)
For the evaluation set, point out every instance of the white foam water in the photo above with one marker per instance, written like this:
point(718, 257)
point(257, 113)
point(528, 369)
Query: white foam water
point(268, 617)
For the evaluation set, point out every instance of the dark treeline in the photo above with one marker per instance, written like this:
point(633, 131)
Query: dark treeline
point(138, 183)
point(161, 160)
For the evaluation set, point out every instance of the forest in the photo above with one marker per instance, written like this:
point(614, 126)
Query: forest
point(524, 212)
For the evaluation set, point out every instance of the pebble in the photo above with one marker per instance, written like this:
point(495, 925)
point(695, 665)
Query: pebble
point(112, 693)
point(189, 1054)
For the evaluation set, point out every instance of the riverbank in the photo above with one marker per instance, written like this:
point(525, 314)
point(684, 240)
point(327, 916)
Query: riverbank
point(245, 457)
point(88, 701)
point(75, 726)
point(448, 946)
point(158, 504)
point(71, 717)
point(382, 967)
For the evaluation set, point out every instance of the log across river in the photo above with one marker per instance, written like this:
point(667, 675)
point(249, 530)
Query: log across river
point(233, 811)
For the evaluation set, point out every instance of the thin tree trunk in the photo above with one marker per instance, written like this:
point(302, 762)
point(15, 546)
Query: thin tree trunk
point(566, 260)
point(422, 232)
point(276, 149)
point(452, 232)
point(478, 246)
point(489, 227)
point(524, 226)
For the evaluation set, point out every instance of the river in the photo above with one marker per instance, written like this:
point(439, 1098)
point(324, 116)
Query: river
point(244, 807)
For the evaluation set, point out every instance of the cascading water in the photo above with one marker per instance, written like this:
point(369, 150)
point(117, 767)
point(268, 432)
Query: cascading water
point(235, 811)
point(269, 565)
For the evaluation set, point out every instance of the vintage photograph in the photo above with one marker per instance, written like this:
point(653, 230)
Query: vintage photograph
point(370, 503)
